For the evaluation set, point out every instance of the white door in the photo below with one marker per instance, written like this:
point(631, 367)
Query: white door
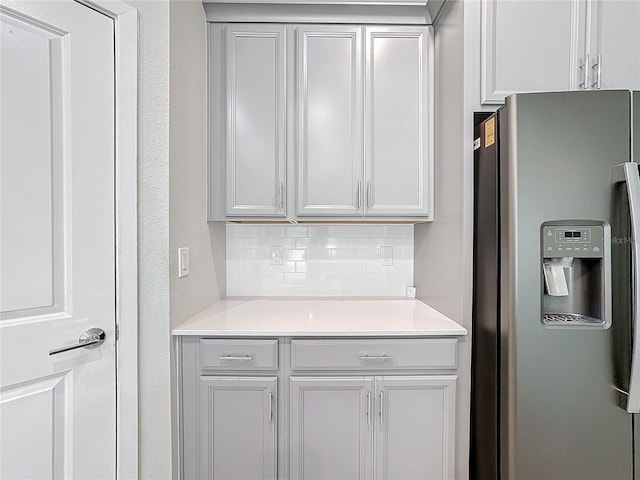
point(256, 120)
point(415, 427)
point(615, 37)
point(237, 428)
point(398, 123)
point(331, 421)
point(57, 412)
point(329, 122)
point(531, 46)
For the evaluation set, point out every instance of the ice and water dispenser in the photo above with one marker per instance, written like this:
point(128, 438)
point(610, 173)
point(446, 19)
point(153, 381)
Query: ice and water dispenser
point(576, 274)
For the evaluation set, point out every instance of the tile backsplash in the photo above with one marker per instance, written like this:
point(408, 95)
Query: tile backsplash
point(323, 260)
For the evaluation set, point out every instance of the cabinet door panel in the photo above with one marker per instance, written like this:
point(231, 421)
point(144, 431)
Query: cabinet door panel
point(415, 428)
point(237, 427)
point(256, 121)
point(398, 121)
point(329, 86)
point(331, 437)
point(616, 35)
point(531, 46)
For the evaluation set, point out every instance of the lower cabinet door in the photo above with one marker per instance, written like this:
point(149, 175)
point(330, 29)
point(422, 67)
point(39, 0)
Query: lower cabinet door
point(237, 428)
point(415, 427)
point(331, 428)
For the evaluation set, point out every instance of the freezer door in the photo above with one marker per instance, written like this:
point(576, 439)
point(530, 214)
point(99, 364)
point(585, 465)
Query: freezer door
point(559, 414)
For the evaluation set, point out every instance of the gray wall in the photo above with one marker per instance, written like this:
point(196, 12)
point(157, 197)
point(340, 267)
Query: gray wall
point(442, 250)
point(187, 180)
point(171, 210)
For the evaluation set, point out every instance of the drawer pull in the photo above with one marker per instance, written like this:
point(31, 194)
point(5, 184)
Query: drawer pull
point(377, 357)
point(235, 357)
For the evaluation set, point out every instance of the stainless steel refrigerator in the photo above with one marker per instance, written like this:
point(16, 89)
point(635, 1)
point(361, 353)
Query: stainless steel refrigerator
point(555, 369)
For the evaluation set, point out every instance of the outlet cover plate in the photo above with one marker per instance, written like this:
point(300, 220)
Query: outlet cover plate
point(276, 255)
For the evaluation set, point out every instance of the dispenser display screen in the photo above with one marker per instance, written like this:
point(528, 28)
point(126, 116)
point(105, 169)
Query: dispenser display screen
point(582, 235)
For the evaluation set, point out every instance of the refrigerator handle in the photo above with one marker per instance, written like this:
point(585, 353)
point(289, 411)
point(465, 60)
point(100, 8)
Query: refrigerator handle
point(628, 172)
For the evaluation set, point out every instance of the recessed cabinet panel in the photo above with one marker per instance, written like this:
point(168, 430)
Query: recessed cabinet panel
point(415, 427)
point(531, 46)
point(329, 92)
point(398, 121)
point(616, 35)
point(255, 120)
point(237, 428)
point(331, 428)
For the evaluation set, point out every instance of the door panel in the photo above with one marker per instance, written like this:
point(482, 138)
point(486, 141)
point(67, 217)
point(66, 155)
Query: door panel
point(237, 428)
point(330, 435)
point(256, 123)
point(415, 428)
point(329, 85)
point(398, 146)
point(616, 38)
point(57, 255)
point(531, 46)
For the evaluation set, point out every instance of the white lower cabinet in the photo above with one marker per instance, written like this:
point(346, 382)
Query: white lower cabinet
point(331, 428)
point(383, 427)
point(348, 409)
point(237, 428)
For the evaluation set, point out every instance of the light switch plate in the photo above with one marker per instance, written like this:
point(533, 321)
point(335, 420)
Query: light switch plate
point(183, 262)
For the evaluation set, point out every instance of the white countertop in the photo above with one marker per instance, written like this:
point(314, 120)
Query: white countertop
point(334, 316)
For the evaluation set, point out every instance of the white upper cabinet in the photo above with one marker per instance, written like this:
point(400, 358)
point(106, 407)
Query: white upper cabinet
point(251, 135)
point(336, 118)
point(398, 121)
point(615, 40)
point(329, 119)
point(531, 46)
point(528, 46)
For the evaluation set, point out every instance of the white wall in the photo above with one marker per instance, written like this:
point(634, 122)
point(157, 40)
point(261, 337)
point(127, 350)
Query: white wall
point(443, 249)
point(153, 231)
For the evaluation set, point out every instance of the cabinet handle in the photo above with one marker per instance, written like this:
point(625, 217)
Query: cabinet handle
point(235, 357)
point(381, 396)
point(368, 409)
point(598, 67)
point(369, 193)
point(358, 193)
point(270, 408)
point(377, 357)
point(281, 196)
point(585, 73)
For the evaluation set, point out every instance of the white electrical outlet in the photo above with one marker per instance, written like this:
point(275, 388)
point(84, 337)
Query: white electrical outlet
point(276, 255)
point(386, 256)
point(183, 262)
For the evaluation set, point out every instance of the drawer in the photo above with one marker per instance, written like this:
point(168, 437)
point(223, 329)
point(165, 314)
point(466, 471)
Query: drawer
point(383, 354)
point(223, 354)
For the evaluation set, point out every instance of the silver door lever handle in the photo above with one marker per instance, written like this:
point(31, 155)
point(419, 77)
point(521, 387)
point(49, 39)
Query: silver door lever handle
point(89, 338)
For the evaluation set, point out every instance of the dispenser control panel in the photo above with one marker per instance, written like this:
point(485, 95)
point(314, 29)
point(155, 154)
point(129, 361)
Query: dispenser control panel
point(573, 241)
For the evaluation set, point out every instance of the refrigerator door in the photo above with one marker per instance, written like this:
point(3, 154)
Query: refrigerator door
point(626, 262)
point(559, 413)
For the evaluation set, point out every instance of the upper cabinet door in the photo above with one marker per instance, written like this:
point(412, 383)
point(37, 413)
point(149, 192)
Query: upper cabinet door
point(329, 120)
point(398, 114)
point(615, 37)
point(531, 46)
point(255, 127)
